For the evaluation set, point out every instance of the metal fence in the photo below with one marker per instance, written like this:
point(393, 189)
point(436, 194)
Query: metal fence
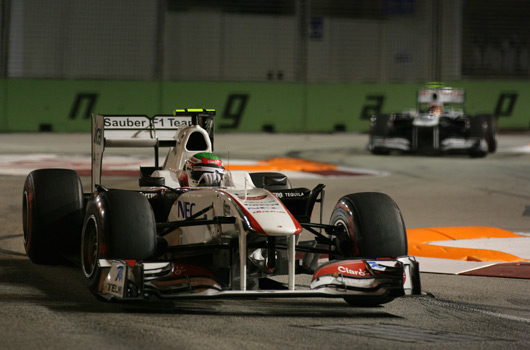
point(315, 41)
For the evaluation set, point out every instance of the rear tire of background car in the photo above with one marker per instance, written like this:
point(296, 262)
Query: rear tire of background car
point(491, 132)
point(118, 225)
point(478, 129)
point(52, 214)
point(379, 128)
point(373, 228)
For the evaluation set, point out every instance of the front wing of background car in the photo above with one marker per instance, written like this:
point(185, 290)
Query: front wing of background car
point(389, 143)
point(352, 278)
point(451, 144)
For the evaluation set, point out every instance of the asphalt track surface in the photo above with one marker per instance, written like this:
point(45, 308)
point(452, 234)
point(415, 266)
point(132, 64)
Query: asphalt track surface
point(49, 307)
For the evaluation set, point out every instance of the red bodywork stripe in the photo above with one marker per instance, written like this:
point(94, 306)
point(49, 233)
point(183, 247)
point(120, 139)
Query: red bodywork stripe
point(253, 222)
point(296, 223)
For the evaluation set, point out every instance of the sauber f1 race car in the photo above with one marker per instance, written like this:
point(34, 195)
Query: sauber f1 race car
point(194, 229)
point(438, 125)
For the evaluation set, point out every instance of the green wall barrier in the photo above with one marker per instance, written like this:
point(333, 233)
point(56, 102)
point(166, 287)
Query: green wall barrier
point(349, 107)
point(506, 99)
point(249, 107)
point(66, 105)
point(3, 105)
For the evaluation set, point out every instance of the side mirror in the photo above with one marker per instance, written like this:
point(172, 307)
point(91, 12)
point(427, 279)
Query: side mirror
point(151, 181)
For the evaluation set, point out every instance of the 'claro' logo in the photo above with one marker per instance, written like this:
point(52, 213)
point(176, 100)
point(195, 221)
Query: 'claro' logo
point(344, 269)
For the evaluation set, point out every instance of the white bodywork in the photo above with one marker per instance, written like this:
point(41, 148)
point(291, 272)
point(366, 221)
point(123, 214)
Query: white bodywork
point(265, 213)
point(249, 210)
point(255, 209)
point(236, 197)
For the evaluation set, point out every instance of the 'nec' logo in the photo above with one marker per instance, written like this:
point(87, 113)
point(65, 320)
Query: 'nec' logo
point(185, 209)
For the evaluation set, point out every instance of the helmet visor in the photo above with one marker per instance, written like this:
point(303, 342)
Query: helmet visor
point(198, 171)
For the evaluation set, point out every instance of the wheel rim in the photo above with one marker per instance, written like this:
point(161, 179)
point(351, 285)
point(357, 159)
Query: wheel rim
point(343, 242)
point(25, 217)
point(90, 246)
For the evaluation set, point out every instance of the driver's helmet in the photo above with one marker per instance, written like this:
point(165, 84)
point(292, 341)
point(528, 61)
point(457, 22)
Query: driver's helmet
point(203, 169)
point(435, 109)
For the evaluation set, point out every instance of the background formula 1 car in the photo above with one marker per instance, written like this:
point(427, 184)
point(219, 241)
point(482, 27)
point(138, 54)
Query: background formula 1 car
point(171, 240)
point(438, 125)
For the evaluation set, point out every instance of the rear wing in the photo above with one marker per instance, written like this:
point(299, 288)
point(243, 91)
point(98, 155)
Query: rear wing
point(441, 95)
point(142, 131)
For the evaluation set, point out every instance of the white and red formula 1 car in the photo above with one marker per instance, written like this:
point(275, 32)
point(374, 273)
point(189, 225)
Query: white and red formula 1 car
point(232, 237)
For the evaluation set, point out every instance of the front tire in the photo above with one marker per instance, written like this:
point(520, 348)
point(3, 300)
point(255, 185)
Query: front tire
point(118, 225)
point(372, 226)
point(52, 214)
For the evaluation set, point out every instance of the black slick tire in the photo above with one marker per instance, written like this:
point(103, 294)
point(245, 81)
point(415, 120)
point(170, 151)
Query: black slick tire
point(379, 129)
point(118, 225)
point(52, 214)
point(491, 132)
point(478, 130)
point(373, 228)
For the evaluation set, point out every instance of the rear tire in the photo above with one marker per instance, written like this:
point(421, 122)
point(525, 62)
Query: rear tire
point(52, 214)
point(118, 225)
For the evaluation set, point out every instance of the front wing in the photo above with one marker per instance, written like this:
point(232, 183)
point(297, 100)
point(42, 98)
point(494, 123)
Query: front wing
point(354, 278)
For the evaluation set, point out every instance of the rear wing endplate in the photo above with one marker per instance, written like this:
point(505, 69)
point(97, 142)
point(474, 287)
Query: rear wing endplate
point(142, 131)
